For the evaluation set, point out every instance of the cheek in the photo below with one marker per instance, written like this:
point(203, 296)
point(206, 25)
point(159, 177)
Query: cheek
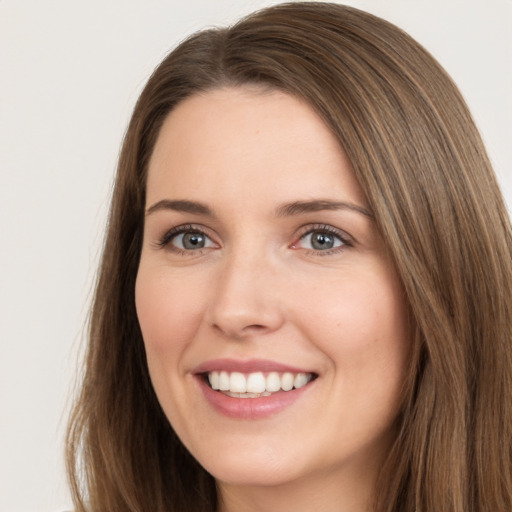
point(360, 323)
point(168, 313)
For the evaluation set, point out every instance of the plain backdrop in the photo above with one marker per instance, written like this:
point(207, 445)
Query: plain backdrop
point(70, 72)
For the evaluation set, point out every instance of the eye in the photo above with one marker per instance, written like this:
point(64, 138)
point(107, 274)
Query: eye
point(191, 240)
point(322, 239)
point(186, 239)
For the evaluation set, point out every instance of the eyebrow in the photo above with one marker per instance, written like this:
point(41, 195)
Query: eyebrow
point(317, 205)
point(286, 210)
point(181, 206)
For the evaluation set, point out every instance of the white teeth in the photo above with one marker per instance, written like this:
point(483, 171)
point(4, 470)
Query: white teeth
point(254, 385)
point(223, 381)
point(214, 380)
point(237, 383)
point(287, 381)
point(301, 379)
point(273, 382)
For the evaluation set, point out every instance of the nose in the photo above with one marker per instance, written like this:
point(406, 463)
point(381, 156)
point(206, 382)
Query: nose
point(244, 301)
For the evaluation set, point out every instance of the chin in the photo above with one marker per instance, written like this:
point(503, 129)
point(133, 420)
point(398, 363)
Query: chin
point(262, 468)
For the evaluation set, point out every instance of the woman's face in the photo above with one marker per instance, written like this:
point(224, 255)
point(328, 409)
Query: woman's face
point(262, 269)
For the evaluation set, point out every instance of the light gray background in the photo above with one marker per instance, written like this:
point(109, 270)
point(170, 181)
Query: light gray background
point(70, 72)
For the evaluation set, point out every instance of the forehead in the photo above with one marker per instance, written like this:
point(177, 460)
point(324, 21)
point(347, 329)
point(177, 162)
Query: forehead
point(233, 141)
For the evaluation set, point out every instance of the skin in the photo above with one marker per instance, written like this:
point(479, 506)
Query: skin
point(260, 289)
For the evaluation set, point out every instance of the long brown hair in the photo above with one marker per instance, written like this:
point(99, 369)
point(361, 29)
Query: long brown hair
point(418, 156)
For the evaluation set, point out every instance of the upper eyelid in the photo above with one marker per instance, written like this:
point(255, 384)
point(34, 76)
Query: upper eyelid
point(310, 228)
point(302, 231)
point(184, 228)
point(173, 232)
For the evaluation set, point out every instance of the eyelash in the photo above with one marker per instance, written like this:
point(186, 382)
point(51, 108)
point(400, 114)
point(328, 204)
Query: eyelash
point(165, 241)
point(346, 241)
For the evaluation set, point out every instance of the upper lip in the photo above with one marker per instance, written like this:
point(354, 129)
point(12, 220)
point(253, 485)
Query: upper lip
point(246, 366)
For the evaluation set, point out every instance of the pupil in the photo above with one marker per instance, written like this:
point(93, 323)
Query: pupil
point(322, 241)
point(193, 240)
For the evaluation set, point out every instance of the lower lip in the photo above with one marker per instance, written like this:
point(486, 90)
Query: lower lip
point(251, 408)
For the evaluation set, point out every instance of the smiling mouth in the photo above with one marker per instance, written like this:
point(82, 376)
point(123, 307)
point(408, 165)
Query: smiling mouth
point(256, 384)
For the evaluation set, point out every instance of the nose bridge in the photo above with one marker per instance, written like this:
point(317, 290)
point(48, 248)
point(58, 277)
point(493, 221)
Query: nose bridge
point(244, 301)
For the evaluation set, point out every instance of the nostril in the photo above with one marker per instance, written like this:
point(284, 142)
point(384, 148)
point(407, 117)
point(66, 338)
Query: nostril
point(242, 332)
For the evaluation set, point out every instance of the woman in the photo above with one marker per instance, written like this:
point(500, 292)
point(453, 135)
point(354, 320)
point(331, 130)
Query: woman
point(304, 293)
